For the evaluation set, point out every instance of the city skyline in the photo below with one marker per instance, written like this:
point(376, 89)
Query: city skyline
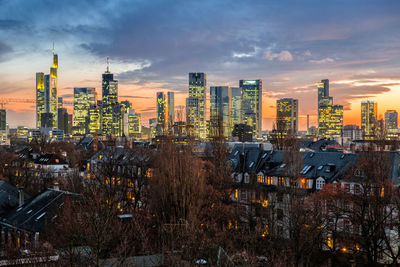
point(290, 54)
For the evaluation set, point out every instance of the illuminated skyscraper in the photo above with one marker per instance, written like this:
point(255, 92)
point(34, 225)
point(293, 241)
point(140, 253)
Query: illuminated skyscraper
point(3, 120)
point(40, 98)
point(162, 113)
point(84, 98)
point(192, 115)
point(236, 105)
point(110, 99)
point(330, 117)
point(53, 100)
point(251, 111)
point(220, 111)
point(196, 110)
point(391, 124)
point(95, 118)
point(132, 125)
point(171, 108)
point(46, 96)
point(369, 115)
point(126, 106)
point(287, 110)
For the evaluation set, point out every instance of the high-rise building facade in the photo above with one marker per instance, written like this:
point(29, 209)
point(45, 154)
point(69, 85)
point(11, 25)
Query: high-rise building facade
point(353, 132)
point(220, 111)
point(95, 118)
point(46, 95)
point(84, 98)
point(369, 115)
point(40, 98)
point(62, 120)
point(196, 110)
point(109, 100)
point(391, 127)
point(236, 105)
point(3, 120)
point(132, 125)
point(287, 110)
point(192, 115)
point(171, 108)
point(162, 113)
point(330, 117)
point(251, 110)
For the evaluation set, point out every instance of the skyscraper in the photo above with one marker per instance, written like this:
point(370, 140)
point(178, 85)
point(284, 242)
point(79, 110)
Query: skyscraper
point(330, 117)
point(220, 111)
point(196, 110)
point(132, 125)
point(236, 105)
point(95, 118)
point(162, 113)
point(40, 98)
point(110, 99)
point(391, 124)
point(251, 110)
point(369, 115)
point(287, 116)
point(3, 120)
point(84, 98)
point(171, 108)
point(53, 100)
point(46, 95)
point(62, 120)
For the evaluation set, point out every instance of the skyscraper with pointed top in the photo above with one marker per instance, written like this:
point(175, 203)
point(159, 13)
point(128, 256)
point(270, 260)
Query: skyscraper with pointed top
point(46, 95)
point(110, 101)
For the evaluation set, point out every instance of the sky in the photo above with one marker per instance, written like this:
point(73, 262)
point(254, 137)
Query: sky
point(153, 45)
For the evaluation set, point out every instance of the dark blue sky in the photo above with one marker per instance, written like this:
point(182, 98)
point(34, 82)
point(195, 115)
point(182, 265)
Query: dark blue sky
point(154, 44)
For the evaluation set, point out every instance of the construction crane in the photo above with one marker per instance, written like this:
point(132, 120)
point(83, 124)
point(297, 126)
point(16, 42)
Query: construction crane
point(5, 101)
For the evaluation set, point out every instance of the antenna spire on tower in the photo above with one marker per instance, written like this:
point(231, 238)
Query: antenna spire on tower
point(108, 64)
point(53, 47)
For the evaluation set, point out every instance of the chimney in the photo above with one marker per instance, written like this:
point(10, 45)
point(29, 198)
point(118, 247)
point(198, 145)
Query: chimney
point(56, 186)
point(21, 195)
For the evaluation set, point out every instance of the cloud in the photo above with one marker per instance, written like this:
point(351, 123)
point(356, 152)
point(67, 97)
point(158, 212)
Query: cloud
point(284, 55)
point(323, 61)
point(307, 53)
point(135, 96)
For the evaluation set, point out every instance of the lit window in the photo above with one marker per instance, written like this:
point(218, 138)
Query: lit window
point(281, 181)
point(270, 180)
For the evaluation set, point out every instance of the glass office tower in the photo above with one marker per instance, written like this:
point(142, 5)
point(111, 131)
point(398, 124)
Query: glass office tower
point(251, 110)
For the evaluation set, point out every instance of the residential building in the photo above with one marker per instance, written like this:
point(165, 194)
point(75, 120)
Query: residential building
point(251, 106)
point(220, 111)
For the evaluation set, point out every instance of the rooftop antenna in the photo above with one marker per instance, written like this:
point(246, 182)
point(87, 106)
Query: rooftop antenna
point(108, 64)
point(53, 47)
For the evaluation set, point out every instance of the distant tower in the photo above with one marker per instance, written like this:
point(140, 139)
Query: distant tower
point(220, 111)
point(308, 123)
point(196, 103)
point(287, 110)
point(251, 111)
point(110, 101)
point(369, 117)
point(46, 95)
